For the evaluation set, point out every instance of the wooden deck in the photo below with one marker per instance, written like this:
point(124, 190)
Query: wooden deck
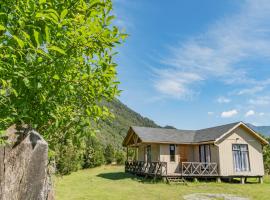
point(159, 169)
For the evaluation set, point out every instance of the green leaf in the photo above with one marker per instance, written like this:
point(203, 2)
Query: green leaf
point(47, 33)
point(56, 77)
point(55, 48)
point(36, 35)
point(63, 13)
point(19, 41)
point(2, 28)
point(109, 19)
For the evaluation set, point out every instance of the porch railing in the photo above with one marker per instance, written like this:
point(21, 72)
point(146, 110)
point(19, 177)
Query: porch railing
point(199, 169)
point(155, 169)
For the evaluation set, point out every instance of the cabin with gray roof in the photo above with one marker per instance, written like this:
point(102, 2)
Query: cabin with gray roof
point(228, 151)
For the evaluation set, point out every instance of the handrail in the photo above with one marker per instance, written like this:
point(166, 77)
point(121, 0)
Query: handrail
point(199, 169)
point(146, 168)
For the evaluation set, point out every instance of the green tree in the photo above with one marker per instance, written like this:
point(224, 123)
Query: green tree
point(56, 65)
point(266, 157)
point(109, 154)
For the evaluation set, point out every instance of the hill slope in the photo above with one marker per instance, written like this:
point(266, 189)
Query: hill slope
point(265, 130)
point(113, 131)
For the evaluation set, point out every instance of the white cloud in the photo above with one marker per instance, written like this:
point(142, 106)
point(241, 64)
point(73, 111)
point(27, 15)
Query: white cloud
point(220, 52)
point(249, 91)
point(230, 113)
point(250, 113)
point(260, 101)
point(223, 100)
point(210, 113)
point(176, 84)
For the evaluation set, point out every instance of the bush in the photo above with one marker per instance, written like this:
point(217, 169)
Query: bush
point(68, 158)
point(120, 157)
point(93, 154)
point(109, 154)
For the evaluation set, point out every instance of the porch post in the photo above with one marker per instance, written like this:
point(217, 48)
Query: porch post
point(261, 180)
point(242, 180)
point(127, 153)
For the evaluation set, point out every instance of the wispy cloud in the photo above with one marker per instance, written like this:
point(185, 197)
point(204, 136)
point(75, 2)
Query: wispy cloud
point(210, 113)
point(228, 114)
point(223, 100)
point(221, 52)
point(260, 101)
point(175, 83)
point(249, 91)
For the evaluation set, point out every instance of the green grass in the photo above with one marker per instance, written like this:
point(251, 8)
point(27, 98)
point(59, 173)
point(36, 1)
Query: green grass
point(112, 183)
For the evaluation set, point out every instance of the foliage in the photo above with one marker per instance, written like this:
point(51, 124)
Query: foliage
point(109, 154)
point(120, 157)
point(93, 154)
point(113, 131)
point(110, 136)
point(56, 64)
point(68, 158)
point(266, 157)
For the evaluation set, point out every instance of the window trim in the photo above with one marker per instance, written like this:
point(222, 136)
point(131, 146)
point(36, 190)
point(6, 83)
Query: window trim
point(234, 167)
point(172, 155)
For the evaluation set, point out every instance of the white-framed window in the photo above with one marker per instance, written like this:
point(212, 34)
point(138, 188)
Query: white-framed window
point(240, 157)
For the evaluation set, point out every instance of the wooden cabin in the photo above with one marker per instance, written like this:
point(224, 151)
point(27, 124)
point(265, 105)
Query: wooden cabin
point(228, 151)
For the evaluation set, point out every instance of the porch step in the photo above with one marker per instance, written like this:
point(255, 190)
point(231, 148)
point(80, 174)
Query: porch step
point(178, 180)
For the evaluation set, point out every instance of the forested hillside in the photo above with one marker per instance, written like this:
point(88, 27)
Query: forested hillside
point(114, 130)
point(103, 147)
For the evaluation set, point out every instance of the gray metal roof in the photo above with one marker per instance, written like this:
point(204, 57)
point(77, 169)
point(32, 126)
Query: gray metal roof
point(157, 135)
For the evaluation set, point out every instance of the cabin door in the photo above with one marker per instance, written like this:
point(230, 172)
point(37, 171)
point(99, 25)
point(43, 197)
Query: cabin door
point(183, 153)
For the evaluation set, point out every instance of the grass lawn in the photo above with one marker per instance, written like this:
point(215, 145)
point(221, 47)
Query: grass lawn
point(112, 183)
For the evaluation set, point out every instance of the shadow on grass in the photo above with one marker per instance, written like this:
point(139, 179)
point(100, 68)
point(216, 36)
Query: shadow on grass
point(123, 175)
point(116, 175)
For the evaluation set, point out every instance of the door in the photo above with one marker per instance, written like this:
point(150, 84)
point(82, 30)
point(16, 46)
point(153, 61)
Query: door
point(183, 153)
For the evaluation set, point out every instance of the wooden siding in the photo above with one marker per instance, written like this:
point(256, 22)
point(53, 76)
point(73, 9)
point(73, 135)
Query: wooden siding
point(141, 153)
point(240, 136)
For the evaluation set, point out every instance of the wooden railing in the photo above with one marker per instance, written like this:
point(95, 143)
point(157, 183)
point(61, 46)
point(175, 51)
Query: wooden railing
point(199, 169)
point(154, 169)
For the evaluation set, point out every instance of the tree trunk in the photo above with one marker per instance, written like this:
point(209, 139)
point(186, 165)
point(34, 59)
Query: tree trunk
point(24, 167)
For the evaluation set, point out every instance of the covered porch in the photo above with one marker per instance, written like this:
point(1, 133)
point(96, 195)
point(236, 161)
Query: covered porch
point(159, 169)
point(169, 159)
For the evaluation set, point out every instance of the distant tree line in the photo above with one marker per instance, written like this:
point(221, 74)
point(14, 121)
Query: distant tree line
point(91, 153)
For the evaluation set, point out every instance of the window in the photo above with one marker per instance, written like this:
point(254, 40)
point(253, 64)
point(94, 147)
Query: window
point(205, 154)
point(172, 152)
point(240, 157)
point(148, 153)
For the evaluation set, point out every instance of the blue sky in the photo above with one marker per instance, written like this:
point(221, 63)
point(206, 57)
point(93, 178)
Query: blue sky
point(195, 64)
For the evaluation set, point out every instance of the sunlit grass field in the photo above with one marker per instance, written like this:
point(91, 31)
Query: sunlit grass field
point(111, 183)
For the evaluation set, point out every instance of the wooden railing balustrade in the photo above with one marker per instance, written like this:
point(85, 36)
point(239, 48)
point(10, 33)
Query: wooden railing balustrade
point(199, 169)
point(159, 169)
point(154, 169)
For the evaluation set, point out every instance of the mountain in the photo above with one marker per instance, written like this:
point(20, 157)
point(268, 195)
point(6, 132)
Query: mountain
point(114, 130)
point(265, 130)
